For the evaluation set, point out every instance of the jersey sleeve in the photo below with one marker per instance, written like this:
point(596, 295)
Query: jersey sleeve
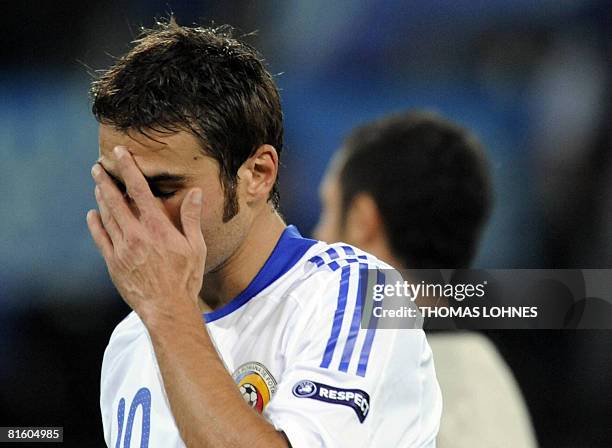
point(348, 386)
point(134, 407)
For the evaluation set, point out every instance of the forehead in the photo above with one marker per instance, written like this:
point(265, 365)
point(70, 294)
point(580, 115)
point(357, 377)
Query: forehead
point(153, 151)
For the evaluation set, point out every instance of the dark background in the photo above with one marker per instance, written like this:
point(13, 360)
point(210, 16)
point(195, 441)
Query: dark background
point(532, 79)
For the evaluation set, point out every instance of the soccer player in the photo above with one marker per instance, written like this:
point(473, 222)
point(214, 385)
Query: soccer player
point(243, 333)
point(413, 189)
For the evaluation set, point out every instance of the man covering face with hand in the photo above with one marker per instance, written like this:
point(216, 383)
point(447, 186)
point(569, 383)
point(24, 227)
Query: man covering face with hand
point(243, 333)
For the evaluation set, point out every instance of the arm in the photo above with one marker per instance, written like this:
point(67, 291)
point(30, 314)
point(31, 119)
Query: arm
point(205, 401)
point(158, 271)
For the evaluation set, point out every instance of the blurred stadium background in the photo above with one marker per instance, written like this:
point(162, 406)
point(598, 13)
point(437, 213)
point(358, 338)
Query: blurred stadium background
point(532, 78)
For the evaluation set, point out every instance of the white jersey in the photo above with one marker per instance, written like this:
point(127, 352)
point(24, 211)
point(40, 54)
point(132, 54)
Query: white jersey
point(293, 343)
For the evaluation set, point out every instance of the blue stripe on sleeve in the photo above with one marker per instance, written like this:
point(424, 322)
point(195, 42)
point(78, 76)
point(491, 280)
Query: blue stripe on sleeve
point(318, 261)
point(369, 339)
point(348, 250)
point(334, 266)
point(333, 254)
point(338, 317)
point(354, 331)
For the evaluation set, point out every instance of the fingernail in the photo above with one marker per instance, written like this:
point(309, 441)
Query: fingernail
point(120, 151)
point(95, 170)
point(197, 197)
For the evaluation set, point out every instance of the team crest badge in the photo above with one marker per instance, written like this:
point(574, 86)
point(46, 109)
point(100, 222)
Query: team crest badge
point(256, 384)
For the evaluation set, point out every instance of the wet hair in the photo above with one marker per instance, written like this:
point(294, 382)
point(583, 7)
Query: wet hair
point(204, 81)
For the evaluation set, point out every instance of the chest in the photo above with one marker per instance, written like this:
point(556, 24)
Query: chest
point(254, 347)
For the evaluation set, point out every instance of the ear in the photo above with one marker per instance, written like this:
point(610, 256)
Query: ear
point(363, 221)
point(258, 173)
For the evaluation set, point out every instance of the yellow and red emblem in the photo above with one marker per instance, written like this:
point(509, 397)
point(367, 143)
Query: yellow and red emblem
point(256, 384)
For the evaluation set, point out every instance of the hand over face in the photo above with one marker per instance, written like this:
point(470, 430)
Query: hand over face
point(154, 266)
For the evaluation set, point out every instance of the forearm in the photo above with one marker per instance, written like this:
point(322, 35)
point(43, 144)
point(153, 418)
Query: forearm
point(203, 397)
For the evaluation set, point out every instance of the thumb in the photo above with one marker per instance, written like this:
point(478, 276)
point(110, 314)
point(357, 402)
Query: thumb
point(191, 210)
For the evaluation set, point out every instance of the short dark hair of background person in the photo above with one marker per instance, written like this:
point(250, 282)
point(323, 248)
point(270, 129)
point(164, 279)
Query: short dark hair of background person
point(430, 181)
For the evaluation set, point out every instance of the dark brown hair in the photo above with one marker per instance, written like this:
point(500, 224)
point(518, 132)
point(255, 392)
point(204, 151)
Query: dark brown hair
point(202, 80)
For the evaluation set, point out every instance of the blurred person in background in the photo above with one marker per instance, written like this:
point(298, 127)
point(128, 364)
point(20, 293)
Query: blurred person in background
point(190, 138)
point(414, 190)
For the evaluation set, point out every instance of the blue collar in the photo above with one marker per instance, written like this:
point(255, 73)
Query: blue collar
point(290, 247)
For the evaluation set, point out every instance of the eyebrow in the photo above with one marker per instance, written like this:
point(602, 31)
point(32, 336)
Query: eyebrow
point(154, 179)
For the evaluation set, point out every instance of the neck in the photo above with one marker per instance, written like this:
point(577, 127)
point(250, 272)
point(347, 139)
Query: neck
point(222, 285)
point(380, 249)
point(388, 257)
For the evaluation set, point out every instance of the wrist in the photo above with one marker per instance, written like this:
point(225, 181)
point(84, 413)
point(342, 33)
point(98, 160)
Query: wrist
point(168, 314)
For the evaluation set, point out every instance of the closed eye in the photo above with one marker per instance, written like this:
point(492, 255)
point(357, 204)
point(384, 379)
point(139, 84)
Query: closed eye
point(163, 195)
point(154, 182)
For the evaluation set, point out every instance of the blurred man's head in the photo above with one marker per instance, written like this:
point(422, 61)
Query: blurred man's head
point(197, 108)
point(413, 189)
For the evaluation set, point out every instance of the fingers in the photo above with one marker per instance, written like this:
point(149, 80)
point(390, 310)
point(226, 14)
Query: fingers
point(191, 211)
point(99, 235)
point(135, 182)
point(109, 223)
point(116, 206)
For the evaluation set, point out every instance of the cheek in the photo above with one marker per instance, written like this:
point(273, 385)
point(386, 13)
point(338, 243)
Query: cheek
point(172, 209)
point(210, 208)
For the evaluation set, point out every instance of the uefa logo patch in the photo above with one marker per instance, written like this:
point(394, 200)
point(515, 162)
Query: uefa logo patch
point(256, 384)
point(356, 399)
point(304, 389)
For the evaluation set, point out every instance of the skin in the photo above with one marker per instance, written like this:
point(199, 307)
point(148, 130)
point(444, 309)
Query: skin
point(170, 256)
point(362, 226)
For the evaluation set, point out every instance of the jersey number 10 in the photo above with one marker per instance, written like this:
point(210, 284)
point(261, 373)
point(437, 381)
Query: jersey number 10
point(142, 399)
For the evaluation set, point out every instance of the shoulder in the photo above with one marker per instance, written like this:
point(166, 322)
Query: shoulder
point(130, 332)
point(328, 269)
point(334, 319)
point(335, 256)
point(129, 328)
